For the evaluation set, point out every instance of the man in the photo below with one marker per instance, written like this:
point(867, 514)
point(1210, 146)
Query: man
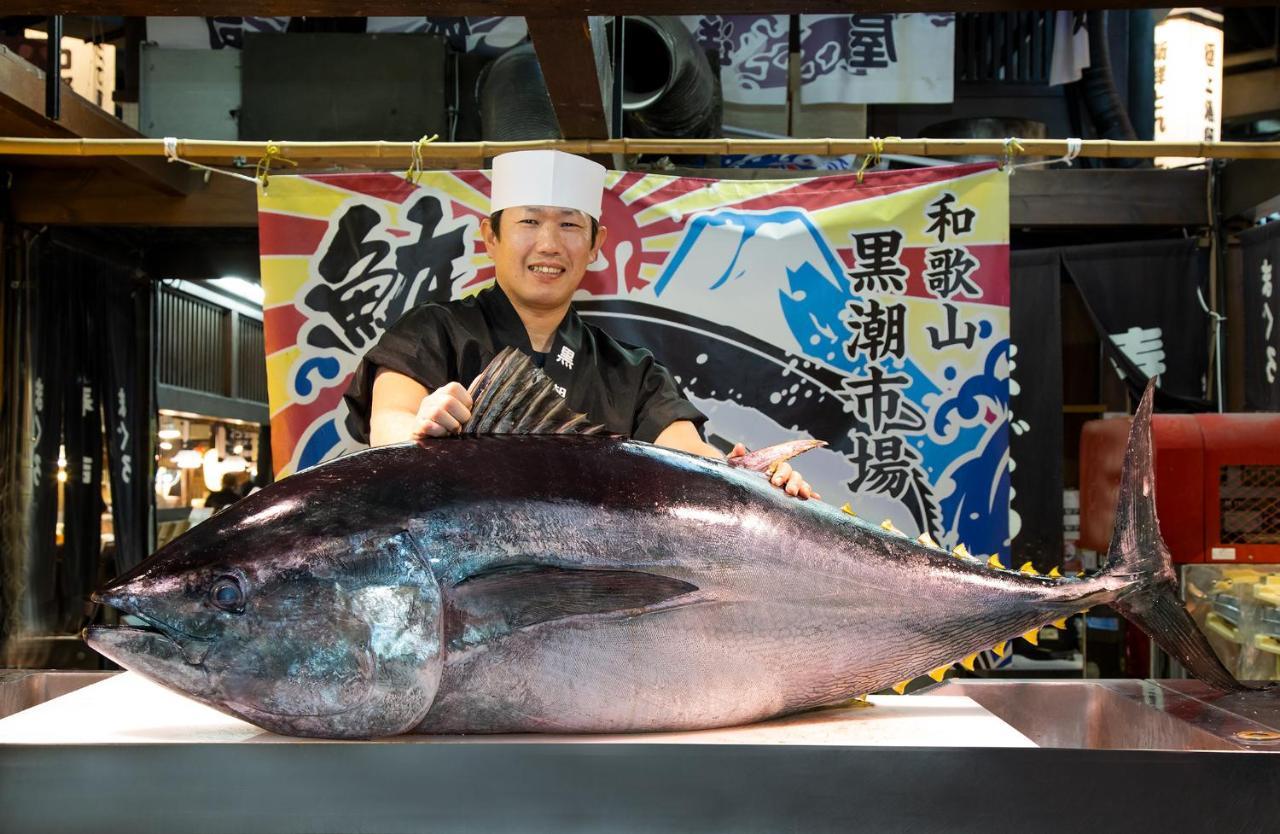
point(542, 234)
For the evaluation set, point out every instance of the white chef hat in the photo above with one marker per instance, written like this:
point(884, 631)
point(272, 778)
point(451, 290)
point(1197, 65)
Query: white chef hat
point(546, 178)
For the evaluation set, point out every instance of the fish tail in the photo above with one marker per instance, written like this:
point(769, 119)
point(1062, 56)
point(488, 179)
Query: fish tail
point(1139, 556)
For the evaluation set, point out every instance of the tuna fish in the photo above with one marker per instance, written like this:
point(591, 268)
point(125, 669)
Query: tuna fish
point(537, 575)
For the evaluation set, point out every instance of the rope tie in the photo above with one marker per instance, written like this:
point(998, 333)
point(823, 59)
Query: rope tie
point(1074, 146)
point(872, 159)
point(1012, 148)
point(263, 169)
point(171, 155)
point(415, 157)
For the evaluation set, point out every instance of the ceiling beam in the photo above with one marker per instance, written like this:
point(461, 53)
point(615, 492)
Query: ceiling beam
point(106, 197)
point(568, 61)
point(546, 8)
point(22, 99)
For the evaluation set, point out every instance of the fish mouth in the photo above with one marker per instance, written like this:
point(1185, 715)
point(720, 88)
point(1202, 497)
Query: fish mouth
point(142, 634)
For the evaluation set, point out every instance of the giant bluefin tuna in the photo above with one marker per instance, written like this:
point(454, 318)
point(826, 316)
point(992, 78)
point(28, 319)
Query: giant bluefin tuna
point(534, 575)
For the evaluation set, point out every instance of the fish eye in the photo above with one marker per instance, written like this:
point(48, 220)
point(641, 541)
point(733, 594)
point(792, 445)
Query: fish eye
point(227, 594)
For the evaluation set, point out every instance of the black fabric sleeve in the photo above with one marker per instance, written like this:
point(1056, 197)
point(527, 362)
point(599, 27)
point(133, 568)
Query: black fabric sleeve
point(660, 404)
point(417, 346)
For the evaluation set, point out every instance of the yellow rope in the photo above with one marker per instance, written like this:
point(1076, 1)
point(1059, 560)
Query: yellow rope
point(263, 168)
point(873, 158)
point(1012, 148)
point(415, 161)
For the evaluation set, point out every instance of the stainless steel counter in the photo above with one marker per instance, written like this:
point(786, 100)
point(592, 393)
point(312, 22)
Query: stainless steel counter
point(1162, 756)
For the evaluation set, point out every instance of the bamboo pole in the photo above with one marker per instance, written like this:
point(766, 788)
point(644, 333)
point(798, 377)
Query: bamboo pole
point(401, 152)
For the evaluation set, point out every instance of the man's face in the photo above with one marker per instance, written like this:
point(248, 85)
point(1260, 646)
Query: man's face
point(542, 253)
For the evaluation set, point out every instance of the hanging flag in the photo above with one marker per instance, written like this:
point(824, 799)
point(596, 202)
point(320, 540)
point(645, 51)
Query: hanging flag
point(1070, 48)
point(1261, 310)
point(1144, 300)
point(210, 32)
point(751, 51)
point(877, 58)
point(478, 35)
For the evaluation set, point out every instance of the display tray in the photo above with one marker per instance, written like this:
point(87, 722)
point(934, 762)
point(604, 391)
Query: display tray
point(125, 754)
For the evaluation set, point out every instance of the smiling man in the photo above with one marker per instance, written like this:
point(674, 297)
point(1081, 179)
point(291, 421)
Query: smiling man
point(542, 234)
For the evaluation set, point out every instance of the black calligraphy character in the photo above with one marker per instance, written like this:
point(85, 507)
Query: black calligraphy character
point(945, 220)
point(883, 465)
point(938, 341)
point(948, 271)
point(878, 268)
point(879, 402)
point(878, 330)
point(871, 42)
point(360, 295)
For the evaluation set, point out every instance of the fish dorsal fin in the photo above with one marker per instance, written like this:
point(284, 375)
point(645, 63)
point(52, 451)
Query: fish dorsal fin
point(768, 458)
point(495, 603)
point(513, 396)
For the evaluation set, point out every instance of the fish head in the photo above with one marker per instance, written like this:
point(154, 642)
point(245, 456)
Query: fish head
point(301, 632)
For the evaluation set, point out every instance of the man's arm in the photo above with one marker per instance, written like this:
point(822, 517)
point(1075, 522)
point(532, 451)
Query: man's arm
point(683, 435)
point(403, 409)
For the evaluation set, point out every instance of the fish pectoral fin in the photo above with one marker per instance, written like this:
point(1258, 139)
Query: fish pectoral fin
point(513, 396)
point(768, 458)
point(498, 602)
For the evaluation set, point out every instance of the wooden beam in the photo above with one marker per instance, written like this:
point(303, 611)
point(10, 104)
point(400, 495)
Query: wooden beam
point(1038, 199)
point(545, 8)
point(1247, 96)
point(107, 197)
point(1248, 184)
point(1107, 197)
point(22, 97)
point(568, 62)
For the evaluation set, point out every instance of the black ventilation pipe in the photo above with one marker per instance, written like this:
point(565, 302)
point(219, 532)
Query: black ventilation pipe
point(514, 103)
point(1106, 109)
point(668, 88)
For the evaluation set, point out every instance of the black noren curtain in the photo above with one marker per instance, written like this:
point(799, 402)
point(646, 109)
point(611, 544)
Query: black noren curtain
point(49, 385)
point(1143, 300)
point(82, 439)
point(1035, 439)
point(126, 305)
point(1261, 318)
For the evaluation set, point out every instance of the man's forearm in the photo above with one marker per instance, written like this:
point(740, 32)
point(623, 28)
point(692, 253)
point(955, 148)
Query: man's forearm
point(391, 426)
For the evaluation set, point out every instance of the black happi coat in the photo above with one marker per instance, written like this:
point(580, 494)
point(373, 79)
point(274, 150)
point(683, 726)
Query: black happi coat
point(618, 385)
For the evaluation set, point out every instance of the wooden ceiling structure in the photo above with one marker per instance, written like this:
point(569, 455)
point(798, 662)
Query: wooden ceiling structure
point(152, 191)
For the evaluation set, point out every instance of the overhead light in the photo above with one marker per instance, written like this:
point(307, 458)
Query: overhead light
point(166, 446)
point(238, 450)
point(169, 434)
point(241, 288)
point(188, 459)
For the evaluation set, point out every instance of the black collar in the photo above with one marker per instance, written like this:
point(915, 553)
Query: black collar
point(509, 327)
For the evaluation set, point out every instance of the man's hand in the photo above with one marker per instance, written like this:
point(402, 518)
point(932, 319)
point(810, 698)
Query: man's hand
point(783, 477)
point(443, 412)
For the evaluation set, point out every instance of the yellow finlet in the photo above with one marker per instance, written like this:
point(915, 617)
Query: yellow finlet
point(1028, 568)
point(901, 686)
point(961, 552)
point(887, 524)
point(1062, 623)
point(1032, 636)
point(927, 540)
point(999, 648)
point(994, 562)
point(847, 510)
point(1055, 573)
point(939, 673)
point(967, 663)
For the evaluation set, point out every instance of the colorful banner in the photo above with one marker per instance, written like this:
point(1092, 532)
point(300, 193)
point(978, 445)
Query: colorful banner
point(751, 51)
point(872, 315)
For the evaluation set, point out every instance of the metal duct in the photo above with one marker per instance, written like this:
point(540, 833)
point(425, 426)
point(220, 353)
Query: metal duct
point(1106, 109)
point(668, 88)
point(514, 103)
